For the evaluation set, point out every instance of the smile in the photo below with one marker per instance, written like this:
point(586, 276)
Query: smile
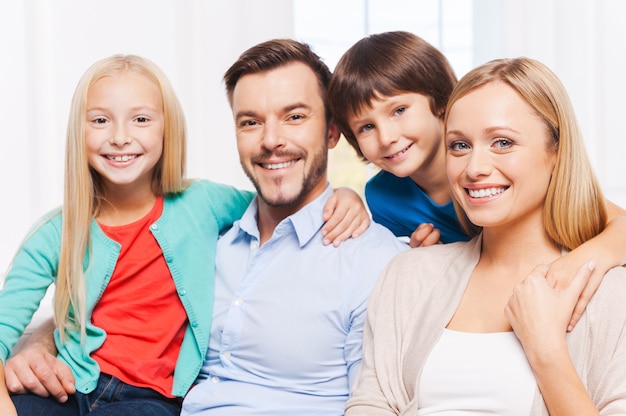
point(122, 158)
point(399, 153)
point(485, 193)
point(272, 166)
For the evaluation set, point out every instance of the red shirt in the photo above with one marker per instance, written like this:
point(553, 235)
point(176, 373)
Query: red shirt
point(140, 310)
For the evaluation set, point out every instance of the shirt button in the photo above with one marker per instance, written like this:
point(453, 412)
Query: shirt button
point(154, 227)
point(215, 379)
point(239, 302)
point(194, 324)
point(227, 355)
point(182, 292)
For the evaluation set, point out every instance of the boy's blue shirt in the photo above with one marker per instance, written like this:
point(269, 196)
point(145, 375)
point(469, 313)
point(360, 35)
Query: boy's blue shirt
point(401, 205)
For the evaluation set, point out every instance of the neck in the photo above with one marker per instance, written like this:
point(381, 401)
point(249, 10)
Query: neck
point(518, 247)
point(120, 208)
point(432, 179)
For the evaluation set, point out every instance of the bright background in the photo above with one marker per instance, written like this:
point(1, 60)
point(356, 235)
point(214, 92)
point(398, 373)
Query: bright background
point(46, 45)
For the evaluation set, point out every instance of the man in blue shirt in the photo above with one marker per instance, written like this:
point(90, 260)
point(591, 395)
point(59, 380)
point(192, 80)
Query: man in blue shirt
point(289, 311)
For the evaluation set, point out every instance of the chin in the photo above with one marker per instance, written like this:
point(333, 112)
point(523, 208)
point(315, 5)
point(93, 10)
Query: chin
point(280, 198)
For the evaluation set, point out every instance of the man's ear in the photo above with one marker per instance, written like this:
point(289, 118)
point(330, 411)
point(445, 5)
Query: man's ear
point(333, 135)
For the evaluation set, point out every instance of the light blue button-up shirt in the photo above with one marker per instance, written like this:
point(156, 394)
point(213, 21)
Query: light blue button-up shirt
point(288, 317)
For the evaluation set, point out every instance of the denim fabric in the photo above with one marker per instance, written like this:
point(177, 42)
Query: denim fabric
point(111, 397)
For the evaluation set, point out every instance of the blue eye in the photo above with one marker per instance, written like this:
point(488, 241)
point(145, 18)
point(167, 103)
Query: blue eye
point(458, 146)
point(400, 110)
point(503, 143)
point(366, 128)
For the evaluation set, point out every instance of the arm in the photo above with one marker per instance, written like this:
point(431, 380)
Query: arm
point(539, 315)
point(6, 404)
point(607, 249)
point(372, 392)
point(366, 395)
point(345, 216)
point(35, 369)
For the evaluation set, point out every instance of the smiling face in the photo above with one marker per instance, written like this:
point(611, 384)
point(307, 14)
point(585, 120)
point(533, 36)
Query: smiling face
point(499, 162)
point(398, 134)
point(124, 131)
point(282, 134)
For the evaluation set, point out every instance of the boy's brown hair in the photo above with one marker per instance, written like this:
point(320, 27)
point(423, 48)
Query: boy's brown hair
point(383, 65)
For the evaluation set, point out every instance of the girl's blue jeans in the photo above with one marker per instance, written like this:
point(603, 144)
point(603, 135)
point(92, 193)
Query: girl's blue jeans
point(111, 397)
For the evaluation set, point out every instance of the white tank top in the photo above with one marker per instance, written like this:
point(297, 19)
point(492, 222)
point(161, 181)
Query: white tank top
point(476, 374)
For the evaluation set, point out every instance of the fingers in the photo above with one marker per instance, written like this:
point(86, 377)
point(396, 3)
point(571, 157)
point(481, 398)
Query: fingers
point(329, 207)
point(425, 235)
point(589, 281)
point(516, 300)
point(40, 374)
point(581, 279)
point(345, 217)
point(21, 378)
point(352, 225)
point(66, 378)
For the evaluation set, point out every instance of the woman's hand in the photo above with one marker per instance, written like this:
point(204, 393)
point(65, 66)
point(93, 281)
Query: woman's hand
point(540, 314)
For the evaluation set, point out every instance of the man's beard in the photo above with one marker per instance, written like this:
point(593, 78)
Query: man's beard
point(311, 177)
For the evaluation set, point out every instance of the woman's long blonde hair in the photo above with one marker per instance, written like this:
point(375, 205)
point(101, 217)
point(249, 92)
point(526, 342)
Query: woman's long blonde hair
point(83, 190)
point(574, 208)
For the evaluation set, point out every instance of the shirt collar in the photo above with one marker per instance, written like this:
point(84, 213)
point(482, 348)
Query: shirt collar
point(305, 223)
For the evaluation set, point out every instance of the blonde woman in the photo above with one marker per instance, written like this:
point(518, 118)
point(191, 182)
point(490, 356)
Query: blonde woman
point(474, 328)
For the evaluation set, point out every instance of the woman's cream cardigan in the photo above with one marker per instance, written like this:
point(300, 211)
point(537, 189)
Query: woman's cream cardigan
point(415, 299)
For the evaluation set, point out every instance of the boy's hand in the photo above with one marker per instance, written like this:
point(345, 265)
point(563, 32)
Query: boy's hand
point(424, 235)
point(345, 217)
point(560, 274)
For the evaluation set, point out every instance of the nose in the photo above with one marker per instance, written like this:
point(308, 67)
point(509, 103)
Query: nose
point(387, 134)
point(120, 137)
point(273, 136)
point(478, 163)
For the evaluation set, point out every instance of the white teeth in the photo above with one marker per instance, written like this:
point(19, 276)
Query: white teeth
point(484, 193)
point(399, 153)
point(122, 158)
point(272, 166)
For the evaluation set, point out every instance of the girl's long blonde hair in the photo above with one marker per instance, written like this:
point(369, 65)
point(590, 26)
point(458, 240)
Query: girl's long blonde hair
point(574, 207)
point(83, 190)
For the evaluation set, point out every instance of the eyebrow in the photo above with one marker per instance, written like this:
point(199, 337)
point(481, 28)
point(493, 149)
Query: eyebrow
point(286, 109)
point(132, 110)
point(487, 130)
point(496, 128)
point(244, 114)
